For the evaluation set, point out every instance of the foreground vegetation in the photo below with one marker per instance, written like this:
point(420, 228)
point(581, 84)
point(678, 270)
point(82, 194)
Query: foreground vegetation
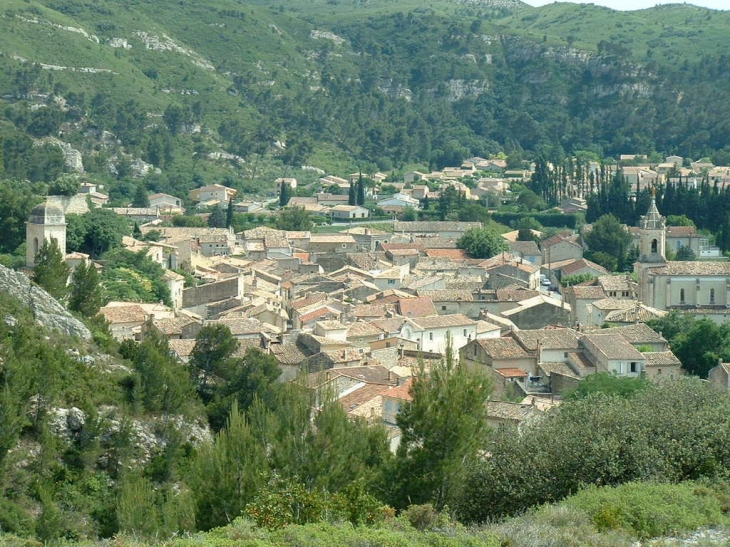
point(596, 517)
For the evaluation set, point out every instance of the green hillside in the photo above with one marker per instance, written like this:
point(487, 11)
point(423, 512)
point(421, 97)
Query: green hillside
point(347, 85)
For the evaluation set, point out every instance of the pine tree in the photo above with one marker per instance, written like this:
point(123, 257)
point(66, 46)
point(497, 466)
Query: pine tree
point(217, 218)
point(360, 191)
point(85, 290)
point(442, 427)
point(141, 198)
point(51, 272)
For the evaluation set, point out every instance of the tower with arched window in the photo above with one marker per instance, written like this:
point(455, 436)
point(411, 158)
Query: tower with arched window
point(653, 235)
point(46, 222)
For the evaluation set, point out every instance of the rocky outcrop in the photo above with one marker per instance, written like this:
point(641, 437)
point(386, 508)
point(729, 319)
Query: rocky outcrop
point(47, 311)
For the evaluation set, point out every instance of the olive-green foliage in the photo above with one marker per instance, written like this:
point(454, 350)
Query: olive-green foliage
point(610, 237)
point(86, 297)
point(608, 384)
point(294, 218)
point(96, 232)
point(698, 344)
point(227, 473)
point(650, 510)
point(160, 384)
point(67, 185)
point(570, 280)
point(441, 428)
point(131, 276)
point(482, 242)
point(50, 271)
point(671, 431)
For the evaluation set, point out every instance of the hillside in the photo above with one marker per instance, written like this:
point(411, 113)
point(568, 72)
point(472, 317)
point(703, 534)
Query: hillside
point(339, 85)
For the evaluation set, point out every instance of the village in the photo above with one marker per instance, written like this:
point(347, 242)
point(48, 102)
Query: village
point(358, 312)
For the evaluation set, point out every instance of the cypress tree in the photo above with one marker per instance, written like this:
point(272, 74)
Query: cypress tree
point(229, 213)
point(352, 194)
point(360, 191)
point(284, 194)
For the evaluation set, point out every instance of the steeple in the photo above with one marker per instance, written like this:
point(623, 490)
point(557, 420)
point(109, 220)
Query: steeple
point(653, 234)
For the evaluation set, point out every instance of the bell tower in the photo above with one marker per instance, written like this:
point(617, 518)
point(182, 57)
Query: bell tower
point(653, 235)
point(46, 222)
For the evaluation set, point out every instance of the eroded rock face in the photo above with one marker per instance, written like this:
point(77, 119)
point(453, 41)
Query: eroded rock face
point(46, 310)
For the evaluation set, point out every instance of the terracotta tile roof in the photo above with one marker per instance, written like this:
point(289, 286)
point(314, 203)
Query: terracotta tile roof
point(312, 298)
point(616, 283)
point(362, 329)
point(456, 254)
point(132, 313)
point(401, 392)
point(638, 334)
point(549, 339)
point(288, 354)
point(447, 295)
point(390, 325)
point(173, 325)
point(513, 412)
point(181, 348)
point(372, 310)
point(437, 242)
point(515, 294)
point(528, 248)
point(614, 304)
point(434, 227)
point(511, 372)
point(661, 359)
point(442, 321)
point(419, 306)
point(316, 314)
point(370, 374)
point(400, 246)
point(693, 268)
point(558, 368)
point(331, 324)
point(332, 238)
point(637, 313)
point(560, 238)
point(361, 396)
point(581, 263)
point(681, 231)
point(587, 292)
point(613, 346)
point(502, 348)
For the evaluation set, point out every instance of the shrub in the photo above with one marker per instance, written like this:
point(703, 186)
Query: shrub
point(650, 509)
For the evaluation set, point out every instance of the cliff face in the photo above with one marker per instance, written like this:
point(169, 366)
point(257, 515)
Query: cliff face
point(46, 310)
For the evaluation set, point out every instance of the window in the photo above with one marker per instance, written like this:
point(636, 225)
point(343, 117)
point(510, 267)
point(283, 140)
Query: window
point(633, 366)
point(654, 245)
point(391, 281)
point(430, 336)
point(565, 355)
point(464, 332)
point(681, 296)
point(443, 308)
point(712, 296)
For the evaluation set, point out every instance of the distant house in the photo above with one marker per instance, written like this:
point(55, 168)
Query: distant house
point(431, 332)
point(614, 354)
point(214, 192)
point(348, 212)
point(166, 203)
point(290, 182)
point(138, 214)
point(398, 202)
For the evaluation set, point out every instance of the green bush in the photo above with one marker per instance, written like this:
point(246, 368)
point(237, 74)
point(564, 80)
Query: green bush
point(650, 509)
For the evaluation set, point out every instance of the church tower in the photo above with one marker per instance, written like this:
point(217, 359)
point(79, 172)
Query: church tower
point(653, 236)
point(46, 222)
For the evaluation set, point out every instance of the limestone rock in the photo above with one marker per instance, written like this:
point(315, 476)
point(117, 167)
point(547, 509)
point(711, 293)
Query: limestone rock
point(46, 309)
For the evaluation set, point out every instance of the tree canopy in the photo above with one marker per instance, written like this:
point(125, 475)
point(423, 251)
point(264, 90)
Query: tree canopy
point(482, 242)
